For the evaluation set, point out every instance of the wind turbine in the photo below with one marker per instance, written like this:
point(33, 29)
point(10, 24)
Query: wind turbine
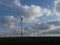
point(20, 22)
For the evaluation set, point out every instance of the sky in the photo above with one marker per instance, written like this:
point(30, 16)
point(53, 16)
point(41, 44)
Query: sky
point(40, 17)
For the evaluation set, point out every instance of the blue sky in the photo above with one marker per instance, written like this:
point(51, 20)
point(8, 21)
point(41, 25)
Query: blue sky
point(42, 3)
point(33, 11)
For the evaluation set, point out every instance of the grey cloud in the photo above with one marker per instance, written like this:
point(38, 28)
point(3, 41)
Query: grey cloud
point(48, 28)
point(43, 29)
point(10, 22)
point(55, 23)
point(54, 32)
point(57, 7)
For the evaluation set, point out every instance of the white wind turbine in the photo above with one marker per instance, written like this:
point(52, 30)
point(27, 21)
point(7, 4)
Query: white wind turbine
point(21, 18)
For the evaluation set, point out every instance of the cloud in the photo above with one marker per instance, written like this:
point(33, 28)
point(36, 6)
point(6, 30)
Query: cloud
point(48, 28)
point(17, 3)
point(43, 26)
point(10, 22)
point(43, 29)
point(30, 13)
point(57, 7)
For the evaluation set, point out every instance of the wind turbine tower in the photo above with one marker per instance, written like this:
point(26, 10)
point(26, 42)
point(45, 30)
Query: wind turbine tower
point(21, 18)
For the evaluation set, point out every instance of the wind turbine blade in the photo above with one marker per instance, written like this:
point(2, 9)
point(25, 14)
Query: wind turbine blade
point(18, 14)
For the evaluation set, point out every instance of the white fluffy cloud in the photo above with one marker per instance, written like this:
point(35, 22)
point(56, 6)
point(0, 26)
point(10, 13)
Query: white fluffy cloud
point(30, 13)
point(10, 22)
